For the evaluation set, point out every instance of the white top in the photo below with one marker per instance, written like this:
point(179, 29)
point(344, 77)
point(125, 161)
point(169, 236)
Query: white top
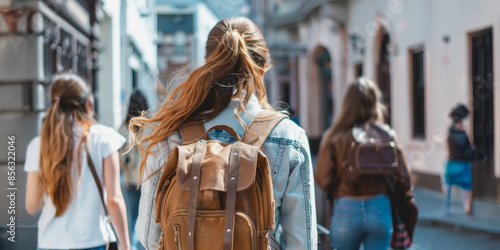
point(83, 224)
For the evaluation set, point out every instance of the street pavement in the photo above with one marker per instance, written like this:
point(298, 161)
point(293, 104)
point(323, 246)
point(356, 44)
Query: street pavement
point(432, 237)
point(439, 230)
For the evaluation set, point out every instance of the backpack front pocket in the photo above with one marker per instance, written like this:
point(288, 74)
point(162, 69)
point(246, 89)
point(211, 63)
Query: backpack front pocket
point(209, 230)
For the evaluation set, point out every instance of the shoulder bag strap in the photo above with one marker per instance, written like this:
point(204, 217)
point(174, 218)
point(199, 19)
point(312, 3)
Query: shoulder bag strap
point(261, 126)
point(191, 131)
point(258, 129)
point(99, 187)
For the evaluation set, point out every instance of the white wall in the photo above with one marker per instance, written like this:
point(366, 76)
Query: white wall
point(205, 20)
point(315, 32)
point(109, 75)
point(122, 25)
point(426, 22)
point(141, 31)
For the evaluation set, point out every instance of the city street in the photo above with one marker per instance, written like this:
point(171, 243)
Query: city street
point(437, 230)
point(435, 237)
point(418, 75)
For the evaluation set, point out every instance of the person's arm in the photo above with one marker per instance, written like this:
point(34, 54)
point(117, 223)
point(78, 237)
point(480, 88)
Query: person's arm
point(471, 153)
point(148, 231)
point(115, 201)
point(34, 187)
point(404, 171)
point(325, 165)
point(34, 193)
point(298, 205)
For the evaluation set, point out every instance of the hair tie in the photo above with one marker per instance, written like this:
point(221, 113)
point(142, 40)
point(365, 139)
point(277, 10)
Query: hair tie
point(57, 98)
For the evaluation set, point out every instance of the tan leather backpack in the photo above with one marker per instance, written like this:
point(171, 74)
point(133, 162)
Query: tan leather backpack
point(214, 195)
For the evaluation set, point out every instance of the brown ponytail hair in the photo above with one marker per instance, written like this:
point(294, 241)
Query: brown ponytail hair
point(68, 95)
point(236, 57)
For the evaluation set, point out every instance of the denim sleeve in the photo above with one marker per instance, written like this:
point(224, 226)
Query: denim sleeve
point(148, 231)
point(298, 206)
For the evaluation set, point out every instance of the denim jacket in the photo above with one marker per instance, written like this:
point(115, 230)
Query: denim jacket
point(287, 149)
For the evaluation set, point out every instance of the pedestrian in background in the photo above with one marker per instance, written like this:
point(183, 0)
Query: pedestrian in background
point(129, 162)
point(361, 203)
point(61, 182)
point(461, 155)
point(229, 89)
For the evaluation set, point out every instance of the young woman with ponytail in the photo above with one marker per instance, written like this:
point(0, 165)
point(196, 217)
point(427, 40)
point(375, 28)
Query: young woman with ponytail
point(229, 89)
point(60, 181)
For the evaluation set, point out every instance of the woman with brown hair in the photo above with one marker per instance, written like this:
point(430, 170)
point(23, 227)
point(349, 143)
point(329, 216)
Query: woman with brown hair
point(361, 203)
point(229, 89)
point(60, 179)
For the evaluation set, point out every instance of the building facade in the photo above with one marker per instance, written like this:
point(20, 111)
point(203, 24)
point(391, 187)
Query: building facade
point(37, 40)
point(128, 58)
point(183, 28)
point(426, 56)
point(111, 44)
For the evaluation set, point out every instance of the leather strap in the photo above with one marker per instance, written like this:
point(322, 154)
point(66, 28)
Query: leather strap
point(261, 126)
point(99, 187)
point(258, 129)
point(234, 163)
point(199, 153)
point(222, 127)
point(191, 131)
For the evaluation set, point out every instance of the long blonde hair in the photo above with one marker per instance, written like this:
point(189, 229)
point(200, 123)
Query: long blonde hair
point(236, 57)
point(362, 103)
point(68, 95)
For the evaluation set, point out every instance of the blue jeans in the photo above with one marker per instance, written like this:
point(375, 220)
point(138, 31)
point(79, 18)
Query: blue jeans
point(357, 220)
point(132, 196)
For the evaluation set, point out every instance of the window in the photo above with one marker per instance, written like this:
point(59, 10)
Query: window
point(134, 79)
point(358, 70)
point(418, 82)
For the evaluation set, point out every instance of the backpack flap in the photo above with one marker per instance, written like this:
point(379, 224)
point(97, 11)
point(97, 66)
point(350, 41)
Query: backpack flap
point(374, 150)
point(373, 158)
point(216, 162)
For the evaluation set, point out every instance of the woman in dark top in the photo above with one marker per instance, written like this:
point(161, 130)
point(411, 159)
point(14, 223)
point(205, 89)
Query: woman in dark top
point(461, 155)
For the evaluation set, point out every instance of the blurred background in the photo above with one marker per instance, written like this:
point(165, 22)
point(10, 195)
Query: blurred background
point(426, 56)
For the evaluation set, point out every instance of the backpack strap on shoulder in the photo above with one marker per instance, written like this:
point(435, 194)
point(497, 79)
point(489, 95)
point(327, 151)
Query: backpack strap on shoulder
point(191, 131)
point(261, 126)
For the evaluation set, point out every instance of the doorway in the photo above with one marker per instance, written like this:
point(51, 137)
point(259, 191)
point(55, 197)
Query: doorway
point(384, 74)
point(485, 184)
point(323, 62)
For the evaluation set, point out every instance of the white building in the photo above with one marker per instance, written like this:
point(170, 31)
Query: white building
point(426, 56)
point(128, 58)
point(440, 53)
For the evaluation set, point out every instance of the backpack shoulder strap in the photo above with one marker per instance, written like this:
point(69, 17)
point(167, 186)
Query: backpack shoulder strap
point(258, 129)
point(191, 131)
point(261, 126)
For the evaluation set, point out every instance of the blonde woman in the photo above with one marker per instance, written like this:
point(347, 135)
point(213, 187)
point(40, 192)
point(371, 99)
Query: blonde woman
point(60, 181)
point(229, 89)
point(361, 204)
